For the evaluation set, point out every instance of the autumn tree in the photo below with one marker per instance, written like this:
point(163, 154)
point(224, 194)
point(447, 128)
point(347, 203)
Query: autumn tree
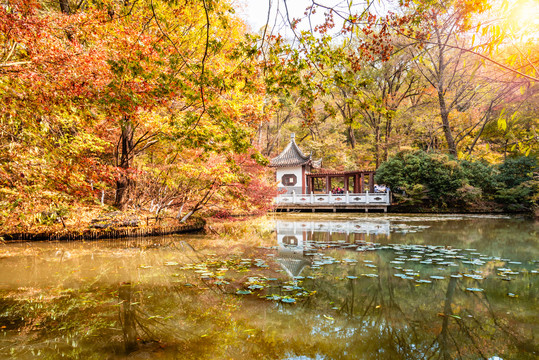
point(88, 88)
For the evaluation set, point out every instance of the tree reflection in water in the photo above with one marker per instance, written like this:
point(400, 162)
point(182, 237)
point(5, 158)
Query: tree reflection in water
point(162, 298)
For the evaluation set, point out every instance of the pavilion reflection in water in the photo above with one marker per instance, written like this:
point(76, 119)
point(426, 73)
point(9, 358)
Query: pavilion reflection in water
point(294, 238)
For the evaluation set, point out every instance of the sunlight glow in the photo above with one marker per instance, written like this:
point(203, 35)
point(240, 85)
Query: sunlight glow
point(526, 12)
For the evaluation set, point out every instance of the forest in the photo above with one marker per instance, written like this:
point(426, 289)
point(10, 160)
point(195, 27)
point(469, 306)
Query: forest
point(174, 108)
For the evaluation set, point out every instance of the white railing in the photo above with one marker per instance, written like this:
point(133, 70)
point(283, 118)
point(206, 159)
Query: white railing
point(366, 226)
point(365, 198)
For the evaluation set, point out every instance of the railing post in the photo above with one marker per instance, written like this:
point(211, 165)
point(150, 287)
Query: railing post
point(366, 197)
point(293, 197)
point(329, 197)
point(312, 197)
point(346, 197)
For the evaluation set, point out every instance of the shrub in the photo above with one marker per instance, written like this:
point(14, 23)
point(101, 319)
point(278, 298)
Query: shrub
point(469, 194)
point(515, 171)
point(523, 197)
point(440, 175)
point(420, 178)
point(480, 174)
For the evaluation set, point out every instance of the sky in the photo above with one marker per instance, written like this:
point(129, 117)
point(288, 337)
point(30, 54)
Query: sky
point(256, 11)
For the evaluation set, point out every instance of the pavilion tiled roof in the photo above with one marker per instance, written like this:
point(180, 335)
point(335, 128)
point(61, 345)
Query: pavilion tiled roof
point(291, 156)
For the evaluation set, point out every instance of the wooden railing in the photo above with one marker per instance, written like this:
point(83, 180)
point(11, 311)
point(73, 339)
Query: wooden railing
point(365, 198)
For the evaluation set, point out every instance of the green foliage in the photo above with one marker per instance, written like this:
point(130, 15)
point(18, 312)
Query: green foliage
point(469, 194)
point(480, 174)
point(523, 197)
point(412, 196)
point(515, 171)
point(56, 213)
point(439, 174)
point(421, 178)
point(517, 189)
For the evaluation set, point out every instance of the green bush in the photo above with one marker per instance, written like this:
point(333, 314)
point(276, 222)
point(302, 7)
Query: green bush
point(413, 196)
point(517, 189)
point(434, 179)
point(480, 174)
point(440, 174)
point(523, 197)
point(515, 171)
point(469, 194)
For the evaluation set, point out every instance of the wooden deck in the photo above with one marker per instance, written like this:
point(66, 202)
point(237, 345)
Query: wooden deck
point(349, 201)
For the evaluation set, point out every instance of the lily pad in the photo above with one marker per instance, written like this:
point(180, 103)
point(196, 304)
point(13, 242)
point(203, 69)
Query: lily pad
point(171, 263)
point(244, 292)
point(474, 289)
point(255, 287)
point(288, 300)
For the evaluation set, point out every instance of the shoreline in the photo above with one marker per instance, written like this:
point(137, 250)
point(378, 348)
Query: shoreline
point(198, 225)
point(107, 233)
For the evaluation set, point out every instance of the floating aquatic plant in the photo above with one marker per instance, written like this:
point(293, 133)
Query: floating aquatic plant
point(474, 289)
point(288, 300)
point(244, 292)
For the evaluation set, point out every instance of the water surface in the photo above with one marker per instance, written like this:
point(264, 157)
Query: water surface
point(326, 286)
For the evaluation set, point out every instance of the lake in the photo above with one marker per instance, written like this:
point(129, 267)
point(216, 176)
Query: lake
point(290, 286)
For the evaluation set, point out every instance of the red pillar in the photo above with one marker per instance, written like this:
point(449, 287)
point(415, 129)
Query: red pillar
point(329, 184)
point(303, 179)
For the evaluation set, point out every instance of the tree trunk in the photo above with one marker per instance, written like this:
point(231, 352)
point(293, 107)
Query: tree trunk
point(351, 137)
point(444, 114)
point(377, 145)
point(64, 7)
point(441, 88)
point(387, 137)
point(124, 182)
